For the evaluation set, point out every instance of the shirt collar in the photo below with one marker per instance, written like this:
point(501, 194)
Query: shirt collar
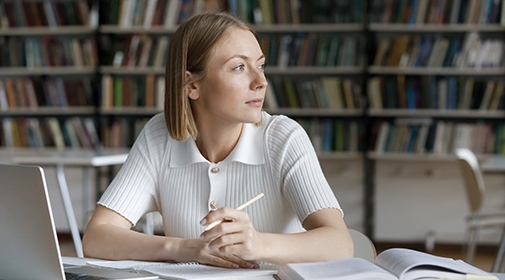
point(249, 149)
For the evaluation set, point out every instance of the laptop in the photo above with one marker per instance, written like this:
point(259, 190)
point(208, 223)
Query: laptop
point(29, 247)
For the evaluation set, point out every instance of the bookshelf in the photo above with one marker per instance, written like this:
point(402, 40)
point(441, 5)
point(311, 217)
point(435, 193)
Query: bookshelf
point(434, 84)
point(47, 71)
point(348, 71)
point(299, 74)
point(440, 65)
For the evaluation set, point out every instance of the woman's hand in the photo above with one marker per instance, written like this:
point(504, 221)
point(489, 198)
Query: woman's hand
point(200, 251)
point(235, 236)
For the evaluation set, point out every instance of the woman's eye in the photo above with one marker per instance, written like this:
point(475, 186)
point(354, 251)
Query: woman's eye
point(262, 66)
point(239, 68)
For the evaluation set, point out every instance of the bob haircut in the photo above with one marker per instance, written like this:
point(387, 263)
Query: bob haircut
point(190, 49)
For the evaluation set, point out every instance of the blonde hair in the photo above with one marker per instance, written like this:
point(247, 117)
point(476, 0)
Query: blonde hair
point(190, 50)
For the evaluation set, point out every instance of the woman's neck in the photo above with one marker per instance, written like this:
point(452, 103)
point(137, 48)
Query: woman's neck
point(216, 143)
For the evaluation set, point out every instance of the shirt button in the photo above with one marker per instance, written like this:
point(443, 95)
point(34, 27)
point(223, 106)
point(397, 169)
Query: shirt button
point(215, 170)
point(213, 205)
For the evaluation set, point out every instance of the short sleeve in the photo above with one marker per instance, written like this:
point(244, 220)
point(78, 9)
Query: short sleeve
point(297, 165)
point(132, 193)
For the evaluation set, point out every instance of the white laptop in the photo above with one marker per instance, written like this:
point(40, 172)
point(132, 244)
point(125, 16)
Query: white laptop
point(29, 247)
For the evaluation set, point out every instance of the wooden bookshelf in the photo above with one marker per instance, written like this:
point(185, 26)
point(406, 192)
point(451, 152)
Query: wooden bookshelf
point(48, 65)
point(358, 24)
point(132, 28)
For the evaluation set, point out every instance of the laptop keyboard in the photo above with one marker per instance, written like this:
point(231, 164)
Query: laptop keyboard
point(76, 276)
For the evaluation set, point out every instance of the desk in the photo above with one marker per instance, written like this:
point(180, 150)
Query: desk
point(82, 261)
point(81, 159)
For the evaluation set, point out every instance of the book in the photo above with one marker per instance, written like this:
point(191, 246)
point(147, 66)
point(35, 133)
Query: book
point(391, 264)
point(189, 270)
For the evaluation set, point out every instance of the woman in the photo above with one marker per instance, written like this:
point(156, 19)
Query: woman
point(212, 150)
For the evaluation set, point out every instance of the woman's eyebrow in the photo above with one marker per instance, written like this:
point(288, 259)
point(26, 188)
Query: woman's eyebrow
point(244, 57)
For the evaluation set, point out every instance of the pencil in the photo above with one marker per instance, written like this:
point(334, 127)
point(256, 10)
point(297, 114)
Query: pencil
point(241, 207)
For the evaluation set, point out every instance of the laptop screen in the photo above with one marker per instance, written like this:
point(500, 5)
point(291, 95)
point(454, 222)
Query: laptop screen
point(28, 242)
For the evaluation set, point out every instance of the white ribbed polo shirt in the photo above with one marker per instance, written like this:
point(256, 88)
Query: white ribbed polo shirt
point(172, 177)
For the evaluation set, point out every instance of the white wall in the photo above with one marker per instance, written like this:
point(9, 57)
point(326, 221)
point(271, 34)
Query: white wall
point(413, 198)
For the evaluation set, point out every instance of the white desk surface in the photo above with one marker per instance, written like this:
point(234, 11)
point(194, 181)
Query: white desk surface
point(82, 261)
point(73, 158)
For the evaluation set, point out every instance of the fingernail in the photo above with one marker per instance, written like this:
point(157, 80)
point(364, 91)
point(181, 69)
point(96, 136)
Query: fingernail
point(203, 222)
point(235, 265)
point(250, 265)
point(202, 236)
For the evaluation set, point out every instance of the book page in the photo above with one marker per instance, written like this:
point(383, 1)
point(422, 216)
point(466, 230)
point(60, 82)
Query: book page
point(349, 269)
point(411, 264)
point(190, 270)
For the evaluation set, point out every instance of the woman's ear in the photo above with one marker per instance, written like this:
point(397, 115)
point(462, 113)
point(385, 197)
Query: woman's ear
point(191, 88)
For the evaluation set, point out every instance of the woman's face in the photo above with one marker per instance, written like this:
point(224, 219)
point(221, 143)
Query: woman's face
point(233, 88)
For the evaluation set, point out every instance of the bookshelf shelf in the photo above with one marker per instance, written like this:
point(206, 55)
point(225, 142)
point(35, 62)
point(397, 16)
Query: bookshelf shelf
point(416, 157)
point(270, 70)
point(260, 28)
point(317, 28)
point(445, 71)
point(319, 112)
point(46, 30)
point(155, 30)
point(435, 28)
point(340, 155)
point(437, 113)
point(313, 70)
point(49, 111)
point(131, 70)
point(130, 111)
point(50, 71)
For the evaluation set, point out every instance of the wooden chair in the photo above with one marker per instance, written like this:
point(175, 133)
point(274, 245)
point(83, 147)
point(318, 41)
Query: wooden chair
point(363, 246)
point(475, 189)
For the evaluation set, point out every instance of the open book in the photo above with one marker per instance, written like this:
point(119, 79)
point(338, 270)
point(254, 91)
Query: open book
point(391, 264)
point(186, 270)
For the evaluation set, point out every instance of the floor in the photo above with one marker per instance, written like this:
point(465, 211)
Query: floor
point(484, 258)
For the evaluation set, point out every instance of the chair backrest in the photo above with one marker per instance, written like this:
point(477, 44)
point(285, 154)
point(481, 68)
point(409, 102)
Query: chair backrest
point(363, 246)
point(472, 175)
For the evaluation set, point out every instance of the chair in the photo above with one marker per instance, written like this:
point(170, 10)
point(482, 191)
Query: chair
point(475, 188)
point(363, 246)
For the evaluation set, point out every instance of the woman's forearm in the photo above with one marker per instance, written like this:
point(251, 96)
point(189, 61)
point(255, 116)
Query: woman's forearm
point(319, 244)
point(105, 241)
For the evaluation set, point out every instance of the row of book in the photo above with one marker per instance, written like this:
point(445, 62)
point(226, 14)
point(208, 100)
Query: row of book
point(436, 137)
point(325, 92)
point(440, 51)
point(327, 135)
point(437, 11)
point(430, 92)
point(148, 13)
point(310, 49)
point(48, 51)
point(298, 12)
point(170, 13)
point(138, 50)
point(44, 13)
point(35, 92)
point(334, 135)
point(133, 91)
point(121, 132)
point(49, 132)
